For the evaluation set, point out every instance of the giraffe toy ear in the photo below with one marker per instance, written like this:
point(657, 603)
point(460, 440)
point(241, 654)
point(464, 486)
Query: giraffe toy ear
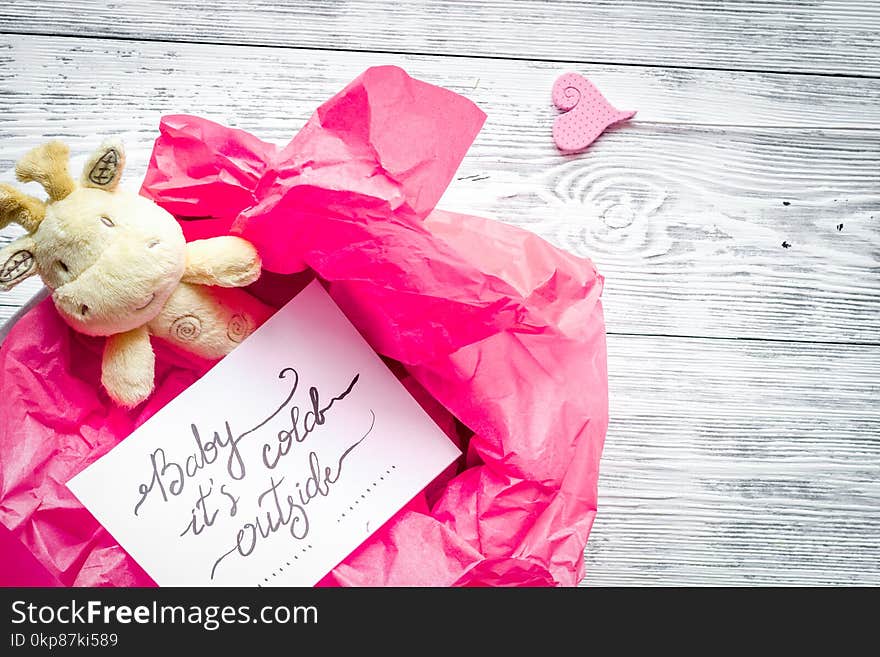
point(17, 262)
point(104, 168)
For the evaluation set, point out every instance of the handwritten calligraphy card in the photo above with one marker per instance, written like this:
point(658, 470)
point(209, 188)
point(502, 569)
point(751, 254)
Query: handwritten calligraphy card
point(274, 466)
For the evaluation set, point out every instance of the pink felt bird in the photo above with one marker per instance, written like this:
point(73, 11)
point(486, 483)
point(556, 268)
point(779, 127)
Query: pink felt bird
point(587, 113)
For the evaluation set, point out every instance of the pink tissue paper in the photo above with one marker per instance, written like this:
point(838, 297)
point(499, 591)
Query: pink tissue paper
point(499, 335)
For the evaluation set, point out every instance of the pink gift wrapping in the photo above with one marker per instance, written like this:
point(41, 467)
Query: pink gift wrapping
point(499, 335)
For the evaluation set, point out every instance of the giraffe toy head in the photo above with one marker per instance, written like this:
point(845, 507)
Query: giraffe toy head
point(110, 257)
point(118, 266)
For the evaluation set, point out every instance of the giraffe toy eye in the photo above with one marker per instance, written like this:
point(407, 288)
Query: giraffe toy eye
point(63, 267)
point(107, 221)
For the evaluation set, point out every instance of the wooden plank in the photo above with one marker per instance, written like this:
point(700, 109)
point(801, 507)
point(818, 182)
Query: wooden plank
point(686, 221)
point(816, 37)
point(274, 90)
point(739, 463)
point(690, 228)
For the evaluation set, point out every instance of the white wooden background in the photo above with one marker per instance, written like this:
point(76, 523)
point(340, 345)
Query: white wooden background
point(744, 445)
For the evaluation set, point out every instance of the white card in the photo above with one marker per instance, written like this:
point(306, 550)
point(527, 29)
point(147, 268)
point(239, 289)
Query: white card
point(239, 481)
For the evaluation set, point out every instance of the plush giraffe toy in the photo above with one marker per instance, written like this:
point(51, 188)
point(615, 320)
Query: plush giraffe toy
point(118, 266)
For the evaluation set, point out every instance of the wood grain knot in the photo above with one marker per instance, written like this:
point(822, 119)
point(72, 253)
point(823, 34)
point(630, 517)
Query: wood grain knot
point(618, 216)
